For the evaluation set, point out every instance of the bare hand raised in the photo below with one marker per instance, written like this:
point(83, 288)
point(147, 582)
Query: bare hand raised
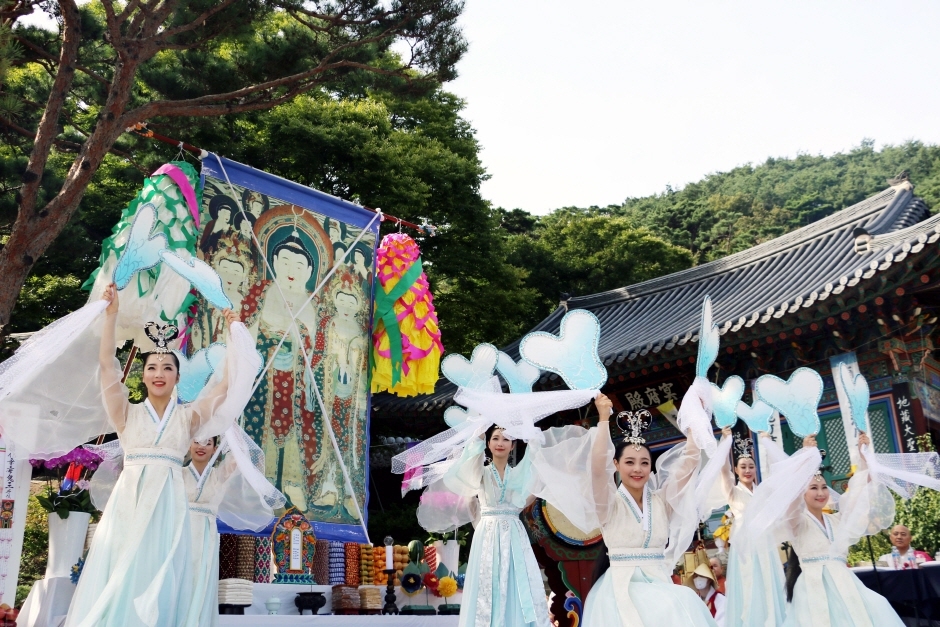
point(111, 295)
point(604, 407)
point(230, 316)
point(863, 439)
point(809, 440)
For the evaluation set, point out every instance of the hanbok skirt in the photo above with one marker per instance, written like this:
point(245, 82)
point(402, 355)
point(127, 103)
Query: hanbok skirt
point(658, 603)
point(504, 586)
point(204, 610)
point(828, 594)
point(139, 572)
point(755, 589)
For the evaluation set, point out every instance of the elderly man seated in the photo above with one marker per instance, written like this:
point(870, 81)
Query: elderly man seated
point(900, 537)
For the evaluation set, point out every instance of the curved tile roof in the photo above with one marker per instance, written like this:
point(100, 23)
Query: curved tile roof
point(749, 288)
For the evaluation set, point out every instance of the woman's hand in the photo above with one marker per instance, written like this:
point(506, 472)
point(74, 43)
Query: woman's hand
point(111, 295)
point(809, 440)
point(763, 434)
point(863, 439)
point(230, 317)
point(604, 407)
point(726, 432)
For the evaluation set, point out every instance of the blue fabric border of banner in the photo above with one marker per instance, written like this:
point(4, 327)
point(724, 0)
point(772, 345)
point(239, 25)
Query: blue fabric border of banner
point(350, 213)
point(294, 193)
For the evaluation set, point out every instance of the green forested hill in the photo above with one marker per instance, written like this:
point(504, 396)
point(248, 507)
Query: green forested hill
point(587, 250)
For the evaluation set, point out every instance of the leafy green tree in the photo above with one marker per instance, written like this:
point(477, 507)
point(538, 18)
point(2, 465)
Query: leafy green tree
point(114, 65)
point(417, 159)
point(35, 549)
point(727, 212)
point(572, 251)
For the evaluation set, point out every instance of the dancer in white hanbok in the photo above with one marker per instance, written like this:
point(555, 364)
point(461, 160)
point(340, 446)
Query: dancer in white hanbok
point(205, 483)
point(821, 590)
point(503, 586)
point(224, 480)
point(139, 571)
point(648, 521)
point(754, 587)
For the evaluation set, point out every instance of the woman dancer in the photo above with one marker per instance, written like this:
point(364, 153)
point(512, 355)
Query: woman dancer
point(754, 588)
point(821, 591)
point(138, 570)
point(633, 588)
point(222, 483)
point(205, 481)
point(504, 585)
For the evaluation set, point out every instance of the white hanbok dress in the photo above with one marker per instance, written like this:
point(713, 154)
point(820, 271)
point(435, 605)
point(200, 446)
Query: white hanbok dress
point(139, 572)
point(754, 587)
point(503, 586)
point(204, 493)
point(827, 593)
point(644, 540)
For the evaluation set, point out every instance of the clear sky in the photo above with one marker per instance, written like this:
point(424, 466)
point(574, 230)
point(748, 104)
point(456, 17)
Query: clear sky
point(590, 102)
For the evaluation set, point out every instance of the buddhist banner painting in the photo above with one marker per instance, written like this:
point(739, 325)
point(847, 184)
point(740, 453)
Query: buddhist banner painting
point(299, 266)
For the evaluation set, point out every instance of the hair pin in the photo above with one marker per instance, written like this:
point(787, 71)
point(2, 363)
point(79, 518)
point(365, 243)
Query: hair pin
point(743, 447)
point(161, 336)
point(637, 422)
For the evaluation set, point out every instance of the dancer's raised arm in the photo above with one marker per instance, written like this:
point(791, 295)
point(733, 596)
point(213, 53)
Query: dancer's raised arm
point(113, 392)
point(602, 453)
point(219, 407)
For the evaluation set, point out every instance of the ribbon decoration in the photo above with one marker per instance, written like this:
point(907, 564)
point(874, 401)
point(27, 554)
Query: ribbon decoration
point(385, 310)
point(179, 177)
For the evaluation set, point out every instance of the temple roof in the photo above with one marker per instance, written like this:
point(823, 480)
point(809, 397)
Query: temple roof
point(748, 289)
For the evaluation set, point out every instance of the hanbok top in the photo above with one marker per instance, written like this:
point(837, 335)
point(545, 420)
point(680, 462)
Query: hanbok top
point(503, 586)
point(138, 571)
point(204, 493)
point(644, 540)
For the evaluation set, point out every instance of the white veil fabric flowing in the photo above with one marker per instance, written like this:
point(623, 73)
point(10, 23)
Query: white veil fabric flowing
point(694, 417)
point(51, 388)
point(429, 460)
point(867, 506)
point(249, 499)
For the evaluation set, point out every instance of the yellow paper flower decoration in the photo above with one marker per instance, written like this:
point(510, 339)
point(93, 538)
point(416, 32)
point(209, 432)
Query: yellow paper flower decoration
point(447, 587)
point(724, 531)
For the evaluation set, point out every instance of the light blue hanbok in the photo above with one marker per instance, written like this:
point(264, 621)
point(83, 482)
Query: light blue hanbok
point(755, 586)
point(204, 493)
point(139, 569)
point(827, 593)
point(503, 587)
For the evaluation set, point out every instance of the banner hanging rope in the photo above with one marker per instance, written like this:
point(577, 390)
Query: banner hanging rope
point(142, 130)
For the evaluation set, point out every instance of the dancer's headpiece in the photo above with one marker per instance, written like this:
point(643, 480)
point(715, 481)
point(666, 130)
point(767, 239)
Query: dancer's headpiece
point(636, 423)
point(161, 336)
point(743, 447)
point(819, 471)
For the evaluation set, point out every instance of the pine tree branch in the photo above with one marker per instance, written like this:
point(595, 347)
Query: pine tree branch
point(81, 68)
point(48, 126)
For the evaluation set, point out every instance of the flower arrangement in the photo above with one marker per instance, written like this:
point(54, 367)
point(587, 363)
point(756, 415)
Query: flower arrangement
point(79, 456)
point(72, 495)
point(411, 584)
point(431, 582)
point(77, 571)
point(447, 587)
